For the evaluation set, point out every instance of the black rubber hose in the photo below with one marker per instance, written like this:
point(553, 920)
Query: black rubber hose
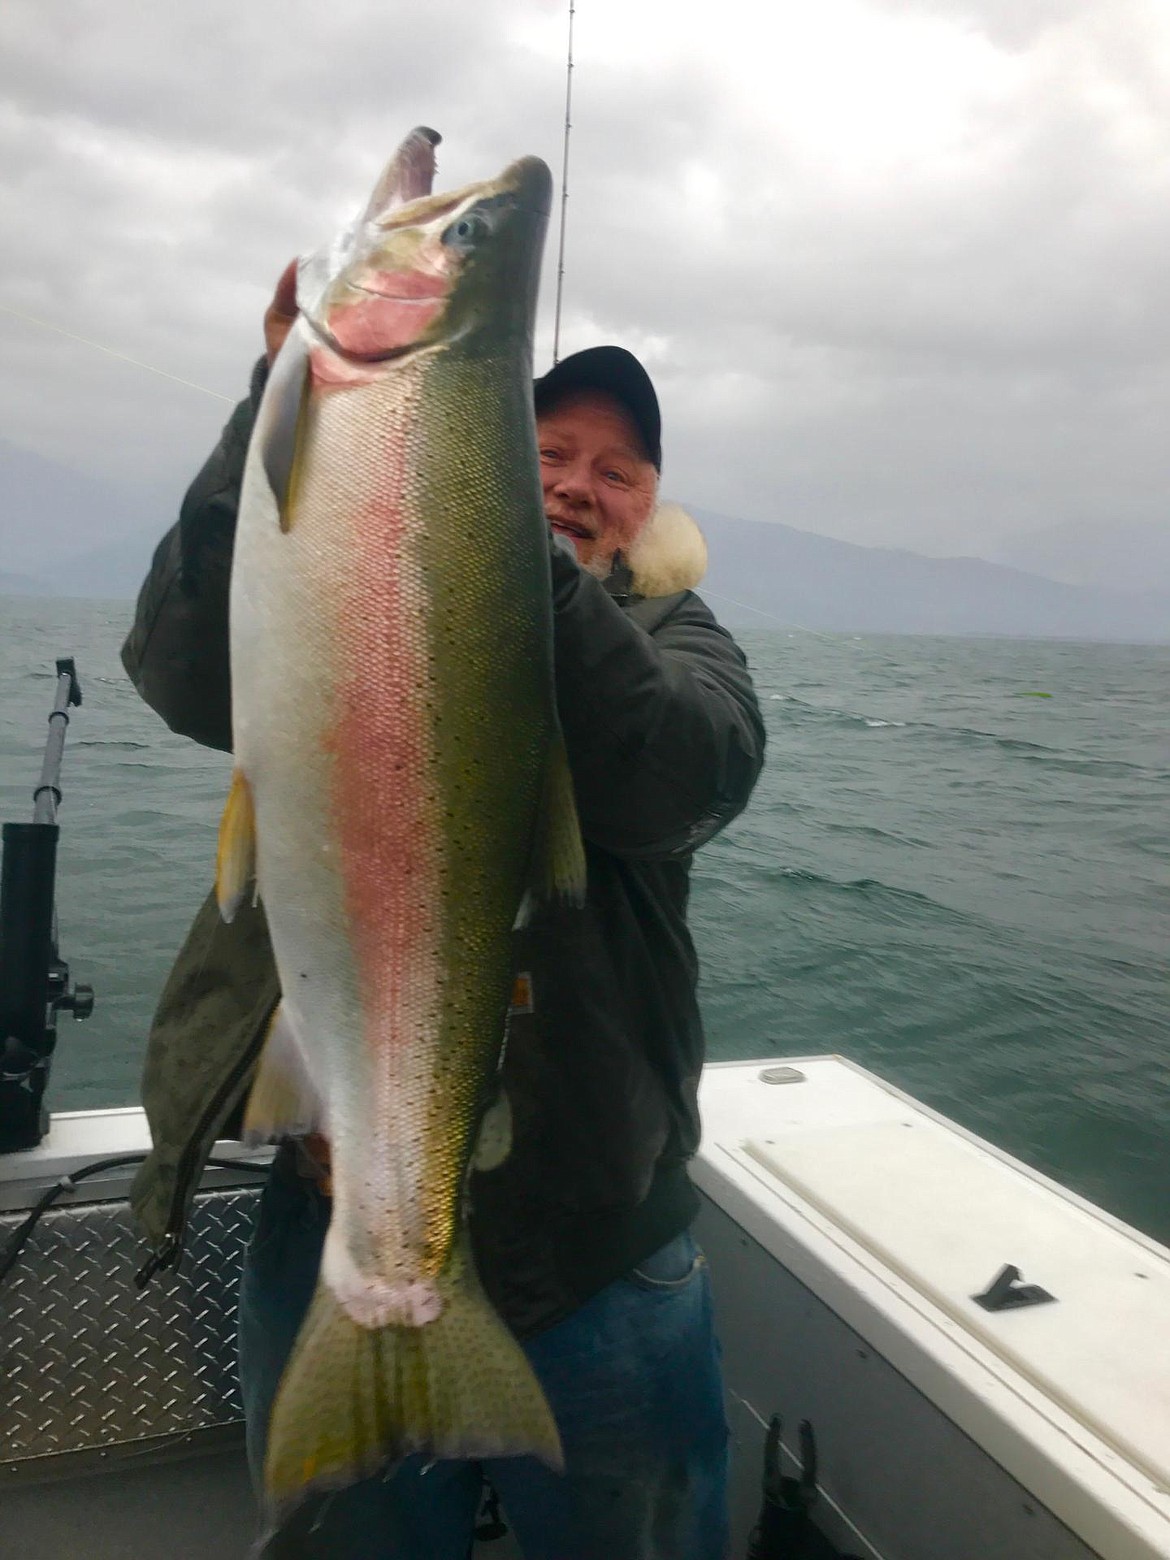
point(20, 1236)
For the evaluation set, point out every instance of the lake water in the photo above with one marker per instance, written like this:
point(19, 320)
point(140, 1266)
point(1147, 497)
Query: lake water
point(956, 883)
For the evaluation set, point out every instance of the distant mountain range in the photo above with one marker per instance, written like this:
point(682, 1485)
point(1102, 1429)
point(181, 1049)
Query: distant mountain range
point(65, 533)
point(113, 572)
point(760, 572)
point(770, 572)
point(1130, 555)
point(22, 585)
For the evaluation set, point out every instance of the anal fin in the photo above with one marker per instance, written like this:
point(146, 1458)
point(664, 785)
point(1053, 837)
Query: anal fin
point(235, 864)
point(284, 1101)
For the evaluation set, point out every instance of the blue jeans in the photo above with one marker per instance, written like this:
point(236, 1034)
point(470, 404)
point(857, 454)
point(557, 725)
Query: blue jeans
point(633, 1381)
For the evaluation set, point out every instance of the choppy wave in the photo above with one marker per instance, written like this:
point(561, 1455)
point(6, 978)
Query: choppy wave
point(867, 885)
point(1026, 750)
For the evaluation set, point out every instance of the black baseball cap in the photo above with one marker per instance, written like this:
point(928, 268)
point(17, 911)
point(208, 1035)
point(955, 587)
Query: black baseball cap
point(616, 372)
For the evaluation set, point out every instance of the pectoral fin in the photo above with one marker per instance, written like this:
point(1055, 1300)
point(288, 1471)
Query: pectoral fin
point(285, 422)
point(235, 865)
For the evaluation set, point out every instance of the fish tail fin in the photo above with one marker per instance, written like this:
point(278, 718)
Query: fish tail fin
point(353, 1400)
point(559, 863)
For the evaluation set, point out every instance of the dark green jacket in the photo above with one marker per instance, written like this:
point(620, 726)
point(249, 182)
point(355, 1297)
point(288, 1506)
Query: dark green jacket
point(665, 743)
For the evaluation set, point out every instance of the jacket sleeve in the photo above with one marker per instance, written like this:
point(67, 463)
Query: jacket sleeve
point(663, 729)
point(177, 650)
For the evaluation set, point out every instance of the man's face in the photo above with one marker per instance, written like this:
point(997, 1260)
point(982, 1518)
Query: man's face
point(599, 487)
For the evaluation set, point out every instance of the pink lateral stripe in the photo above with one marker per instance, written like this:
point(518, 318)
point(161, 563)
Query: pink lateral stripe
point(382, 790)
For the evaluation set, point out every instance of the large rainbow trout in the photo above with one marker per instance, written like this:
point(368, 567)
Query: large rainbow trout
point(400, 790)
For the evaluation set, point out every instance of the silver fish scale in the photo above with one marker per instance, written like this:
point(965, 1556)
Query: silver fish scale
point(90, 1361)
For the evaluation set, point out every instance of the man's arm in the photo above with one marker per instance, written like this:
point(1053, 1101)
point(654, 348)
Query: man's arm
point(664, 733)
point(177, 650)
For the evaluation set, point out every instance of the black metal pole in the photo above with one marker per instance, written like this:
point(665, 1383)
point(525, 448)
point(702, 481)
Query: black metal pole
point(27, 881)
point(34, 982)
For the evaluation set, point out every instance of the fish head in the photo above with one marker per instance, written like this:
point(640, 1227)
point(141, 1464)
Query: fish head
point(419, 270)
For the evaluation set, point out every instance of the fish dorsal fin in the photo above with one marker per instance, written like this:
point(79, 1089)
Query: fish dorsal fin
point(284, 423)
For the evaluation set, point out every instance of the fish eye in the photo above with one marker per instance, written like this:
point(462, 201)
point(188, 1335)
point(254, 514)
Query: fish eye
point(471, 228)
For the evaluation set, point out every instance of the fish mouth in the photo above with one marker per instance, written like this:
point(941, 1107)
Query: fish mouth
point(406, 287)
point(527, 181)
point(408, 176)
point(375, 294)
point(424, 209)
point(415, 161)
point(530, 181)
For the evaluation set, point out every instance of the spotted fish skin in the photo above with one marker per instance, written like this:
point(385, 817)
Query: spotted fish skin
point(401, 786)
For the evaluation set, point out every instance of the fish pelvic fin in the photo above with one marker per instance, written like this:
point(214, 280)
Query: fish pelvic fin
point(355, 1401)
point(284, 1101)
point(559, 870)
point(235, 861)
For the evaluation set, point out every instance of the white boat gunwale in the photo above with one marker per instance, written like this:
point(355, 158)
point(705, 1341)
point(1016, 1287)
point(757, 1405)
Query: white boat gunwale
point(1115, 1506)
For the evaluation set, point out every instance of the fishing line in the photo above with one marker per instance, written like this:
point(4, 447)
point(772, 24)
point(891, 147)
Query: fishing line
point(776, 618)
point(123, 357)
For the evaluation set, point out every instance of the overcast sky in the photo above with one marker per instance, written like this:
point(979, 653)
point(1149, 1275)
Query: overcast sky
point(898, 267)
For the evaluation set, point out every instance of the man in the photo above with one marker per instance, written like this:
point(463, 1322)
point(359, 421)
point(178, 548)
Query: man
point(581, 1235)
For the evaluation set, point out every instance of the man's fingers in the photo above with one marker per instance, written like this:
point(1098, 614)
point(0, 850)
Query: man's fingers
point(284, 299)
point(282, 311)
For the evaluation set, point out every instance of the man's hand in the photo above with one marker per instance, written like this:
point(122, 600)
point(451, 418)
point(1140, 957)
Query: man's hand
point(281, 312)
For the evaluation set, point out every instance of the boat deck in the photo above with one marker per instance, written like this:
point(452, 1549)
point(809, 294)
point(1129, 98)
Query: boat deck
point(848, 1229)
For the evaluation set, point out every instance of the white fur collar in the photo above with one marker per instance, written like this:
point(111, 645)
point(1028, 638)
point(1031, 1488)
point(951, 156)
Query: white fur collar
point(670, 554)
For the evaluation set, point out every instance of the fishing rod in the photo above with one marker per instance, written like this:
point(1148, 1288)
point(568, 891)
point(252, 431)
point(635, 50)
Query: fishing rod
point(564, 189)
point(34, 979)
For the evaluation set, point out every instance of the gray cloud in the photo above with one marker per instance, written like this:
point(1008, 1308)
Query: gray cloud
point(900, 283)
